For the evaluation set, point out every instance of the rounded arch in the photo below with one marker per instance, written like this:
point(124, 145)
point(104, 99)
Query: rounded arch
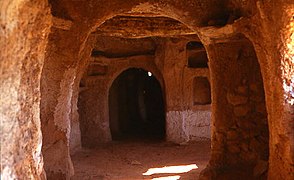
point(136, 105)
point(156, 73)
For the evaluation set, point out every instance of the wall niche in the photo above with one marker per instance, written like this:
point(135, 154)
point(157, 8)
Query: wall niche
point(201, 91)
point(196, 55)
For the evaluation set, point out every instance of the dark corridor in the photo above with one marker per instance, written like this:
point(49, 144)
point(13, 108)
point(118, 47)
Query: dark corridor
point(136, 106)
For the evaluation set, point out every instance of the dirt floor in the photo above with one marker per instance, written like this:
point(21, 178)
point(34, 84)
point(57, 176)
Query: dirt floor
point(128, 160)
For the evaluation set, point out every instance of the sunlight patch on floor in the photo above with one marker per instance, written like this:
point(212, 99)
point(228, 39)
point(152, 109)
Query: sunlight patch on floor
point(167, 178)
point(171, 169)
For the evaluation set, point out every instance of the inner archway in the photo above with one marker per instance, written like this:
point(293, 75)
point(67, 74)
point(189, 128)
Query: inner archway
point(136, 106)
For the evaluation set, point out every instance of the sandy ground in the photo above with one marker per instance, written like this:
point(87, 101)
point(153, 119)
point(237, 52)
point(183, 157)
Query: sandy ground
point(128, 160)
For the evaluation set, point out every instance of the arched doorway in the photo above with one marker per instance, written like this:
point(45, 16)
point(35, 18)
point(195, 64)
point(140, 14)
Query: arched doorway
point(136, 107)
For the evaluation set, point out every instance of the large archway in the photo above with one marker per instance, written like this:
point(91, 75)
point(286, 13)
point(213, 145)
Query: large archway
point(136, 106)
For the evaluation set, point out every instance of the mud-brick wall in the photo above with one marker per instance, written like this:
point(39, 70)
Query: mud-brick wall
point(239, 113)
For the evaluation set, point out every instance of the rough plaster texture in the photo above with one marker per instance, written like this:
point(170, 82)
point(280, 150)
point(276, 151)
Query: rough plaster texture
point(55, 109)
point(185, 126)
point(277, 96)
point(75, 132)
point(24, 31)
point(57, 93)
point(198, 124)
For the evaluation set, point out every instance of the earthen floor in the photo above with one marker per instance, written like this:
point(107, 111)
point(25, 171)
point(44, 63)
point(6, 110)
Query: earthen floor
point(128, 160)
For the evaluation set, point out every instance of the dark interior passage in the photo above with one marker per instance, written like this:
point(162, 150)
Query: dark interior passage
point(136, 107)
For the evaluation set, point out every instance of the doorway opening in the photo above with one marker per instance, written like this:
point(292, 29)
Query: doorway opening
point(136, 106)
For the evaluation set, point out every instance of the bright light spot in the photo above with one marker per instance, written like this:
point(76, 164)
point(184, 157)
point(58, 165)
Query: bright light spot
point(167, 178)
point(288, 64)
point(289, 89)
point(170, 169)
point(149, 73)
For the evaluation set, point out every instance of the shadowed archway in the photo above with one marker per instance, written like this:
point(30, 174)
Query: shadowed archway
point(136, 108)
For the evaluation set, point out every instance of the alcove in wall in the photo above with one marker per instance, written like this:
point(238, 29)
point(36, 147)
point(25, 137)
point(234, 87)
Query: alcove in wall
point(201, 91)
point(196, 55)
